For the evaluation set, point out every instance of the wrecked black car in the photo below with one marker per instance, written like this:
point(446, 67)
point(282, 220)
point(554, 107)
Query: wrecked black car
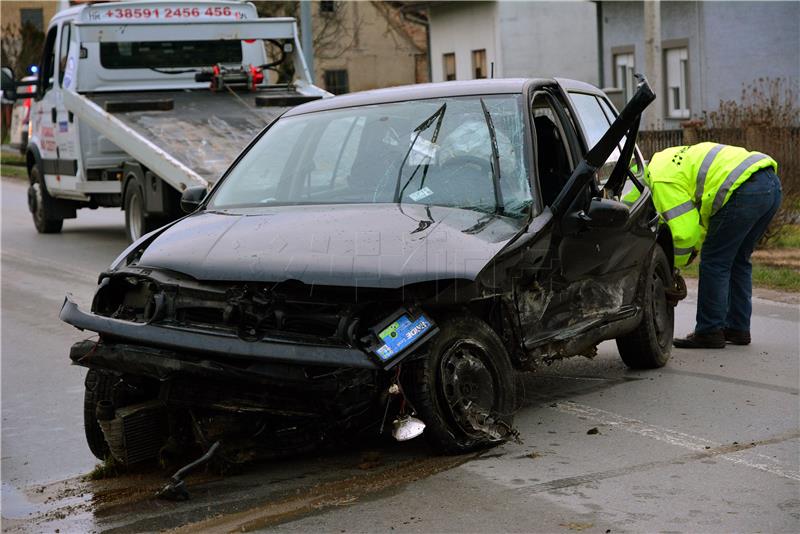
point(382, 262)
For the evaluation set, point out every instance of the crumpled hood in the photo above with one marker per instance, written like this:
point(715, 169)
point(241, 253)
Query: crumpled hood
point(341, 245)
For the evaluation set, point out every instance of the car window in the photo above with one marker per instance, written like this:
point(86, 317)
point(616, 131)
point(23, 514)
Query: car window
point(636, 165)
point(595, 123)
point(553, 162)
point(434, 152)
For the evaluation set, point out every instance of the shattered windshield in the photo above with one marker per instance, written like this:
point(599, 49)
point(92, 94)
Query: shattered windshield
point(465, 152)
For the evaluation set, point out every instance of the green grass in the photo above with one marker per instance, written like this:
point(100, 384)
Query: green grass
point(788, 238)
point(110, 468)
point(780, 278)
point(13, 165)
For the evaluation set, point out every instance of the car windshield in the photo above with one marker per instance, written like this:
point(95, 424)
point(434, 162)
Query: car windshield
point(464, 152)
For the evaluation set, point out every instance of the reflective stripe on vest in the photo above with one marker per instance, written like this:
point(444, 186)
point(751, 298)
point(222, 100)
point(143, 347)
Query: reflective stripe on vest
point(735, 174)
point(701, 175)
point(682, 251)
point(678, 210)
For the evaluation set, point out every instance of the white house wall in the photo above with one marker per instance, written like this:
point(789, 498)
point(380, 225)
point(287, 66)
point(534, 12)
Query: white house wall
point(462, 27)
point(549, 39)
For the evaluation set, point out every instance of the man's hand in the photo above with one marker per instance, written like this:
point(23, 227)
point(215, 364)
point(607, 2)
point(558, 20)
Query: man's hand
point(692, 256)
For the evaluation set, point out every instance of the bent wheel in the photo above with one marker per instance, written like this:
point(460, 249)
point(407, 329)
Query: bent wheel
point(464, 389)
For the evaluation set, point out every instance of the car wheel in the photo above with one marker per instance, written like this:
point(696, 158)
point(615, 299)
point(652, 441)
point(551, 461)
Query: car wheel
point(41, 205)
point(467, 374)
point(650, 345)
point(98, 386)
point(136, 223)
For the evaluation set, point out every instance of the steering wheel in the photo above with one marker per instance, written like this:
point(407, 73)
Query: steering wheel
point(462, 176)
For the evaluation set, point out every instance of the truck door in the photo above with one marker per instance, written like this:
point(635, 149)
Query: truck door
point(66, 128)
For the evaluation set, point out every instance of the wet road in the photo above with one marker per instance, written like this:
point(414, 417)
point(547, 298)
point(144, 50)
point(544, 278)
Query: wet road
point(710, 443)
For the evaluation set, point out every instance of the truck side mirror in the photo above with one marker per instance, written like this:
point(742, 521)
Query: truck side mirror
point(8, 84)
point(192, 197)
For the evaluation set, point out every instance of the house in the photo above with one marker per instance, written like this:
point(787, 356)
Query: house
point(366, 45)
point(709, 51)
point(513, 39)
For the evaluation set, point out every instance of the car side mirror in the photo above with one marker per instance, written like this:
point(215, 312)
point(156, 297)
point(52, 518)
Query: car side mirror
point(605, 213)
point(192, 197)
point(8, 84)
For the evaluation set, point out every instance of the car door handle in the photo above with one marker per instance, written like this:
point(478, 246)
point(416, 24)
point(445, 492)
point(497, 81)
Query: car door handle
point(54, 114)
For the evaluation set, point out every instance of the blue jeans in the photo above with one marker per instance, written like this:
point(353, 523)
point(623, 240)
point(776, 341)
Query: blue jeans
point(726, 285)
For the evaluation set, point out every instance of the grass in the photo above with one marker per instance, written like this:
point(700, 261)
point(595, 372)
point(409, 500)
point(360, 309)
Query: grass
point(13, 165)
point(780, 278)
point(110, 468)
point(788, 238)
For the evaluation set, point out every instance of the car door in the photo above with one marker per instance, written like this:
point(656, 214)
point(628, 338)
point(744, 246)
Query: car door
point(66, 127)
point(602, 265)
point(45, 113)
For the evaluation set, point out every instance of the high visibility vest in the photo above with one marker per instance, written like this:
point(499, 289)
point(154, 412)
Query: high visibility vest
point(690, 184)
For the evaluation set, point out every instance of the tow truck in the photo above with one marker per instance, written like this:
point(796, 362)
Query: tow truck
point(138, 101)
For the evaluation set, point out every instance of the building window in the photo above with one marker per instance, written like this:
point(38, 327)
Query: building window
point(479, 64)
point(336, 81)
point(32, 16)
point(449, 61)
point(623, 74)
point(676, 65)
point(327, 7)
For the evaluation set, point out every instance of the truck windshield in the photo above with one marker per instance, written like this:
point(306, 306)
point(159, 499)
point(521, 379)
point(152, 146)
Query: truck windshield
point(169, 54)
point(431, 152)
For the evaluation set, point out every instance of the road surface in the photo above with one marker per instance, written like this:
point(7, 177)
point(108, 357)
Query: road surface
point(710, 443)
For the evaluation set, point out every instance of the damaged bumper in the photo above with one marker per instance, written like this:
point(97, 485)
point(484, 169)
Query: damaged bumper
point(218, 343)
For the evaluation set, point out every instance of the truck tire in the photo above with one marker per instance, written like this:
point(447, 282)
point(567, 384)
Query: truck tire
point(649, 346)
point(98, 386)
point(41, 204)
point(466, 363)
point(137, 223)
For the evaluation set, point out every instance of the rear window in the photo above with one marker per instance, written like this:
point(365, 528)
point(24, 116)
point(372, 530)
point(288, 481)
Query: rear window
point(169, 54)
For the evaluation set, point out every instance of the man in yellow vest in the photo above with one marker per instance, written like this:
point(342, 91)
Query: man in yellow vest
point(721, 198)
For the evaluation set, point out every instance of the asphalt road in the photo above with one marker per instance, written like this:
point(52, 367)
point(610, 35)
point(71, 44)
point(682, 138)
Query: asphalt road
point(710, 443)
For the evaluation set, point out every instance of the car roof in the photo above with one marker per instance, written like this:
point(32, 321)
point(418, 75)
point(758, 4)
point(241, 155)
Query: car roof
point(421, 91)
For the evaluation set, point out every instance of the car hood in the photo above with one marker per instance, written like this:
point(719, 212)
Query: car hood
point(384, 245)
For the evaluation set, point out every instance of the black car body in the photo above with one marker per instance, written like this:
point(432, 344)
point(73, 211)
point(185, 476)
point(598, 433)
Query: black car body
point(333, 284)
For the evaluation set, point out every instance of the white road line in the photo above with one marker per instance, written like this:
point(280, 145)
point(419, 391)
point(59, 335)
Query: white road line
point(748, 458)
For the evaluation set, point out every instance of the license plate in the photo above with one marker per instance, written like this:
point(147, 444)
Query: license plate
point(400, 335)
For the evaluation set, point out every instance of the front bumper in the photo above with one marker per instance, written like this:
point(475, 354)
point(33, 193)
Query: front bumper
point(266, 350)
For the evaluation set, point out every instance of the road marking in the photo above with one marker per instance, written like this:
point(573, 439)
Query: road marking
point(743, 457)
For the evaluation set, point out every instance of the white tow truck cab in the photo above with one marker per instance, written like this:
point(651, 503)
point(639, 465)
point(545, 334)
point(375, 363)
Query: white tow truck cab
point(138, 101)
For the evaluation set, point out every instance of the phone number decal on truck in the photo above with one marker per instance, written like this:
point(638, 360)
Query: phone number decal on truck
point(159, 13)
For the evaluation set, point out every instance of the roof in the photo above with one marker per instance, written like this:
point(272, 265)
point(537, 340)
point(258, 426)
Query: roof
point(420, 91)
point(424, 91)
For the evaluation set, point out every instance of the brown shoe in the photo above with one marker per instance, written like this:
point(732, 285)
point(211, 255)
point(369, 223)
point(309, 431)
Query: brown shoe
point(706, 340)
point(737, 337)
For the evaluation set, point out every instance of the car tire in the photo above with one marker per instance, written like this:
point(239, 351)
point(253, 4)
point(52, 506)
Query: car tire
point(137, 223)
point(467, 351)
point(42, 205)
point(98, 386)
point(649, 346)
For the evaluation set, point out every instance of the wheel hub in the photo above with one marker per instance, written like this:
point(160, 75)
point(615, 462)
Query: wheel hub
point(467, 381)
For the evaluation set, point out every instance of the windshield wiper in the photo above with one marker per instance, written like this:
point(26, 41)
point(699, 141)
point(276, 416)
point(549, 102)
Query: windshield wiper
point(498, 193)
point(424, 125)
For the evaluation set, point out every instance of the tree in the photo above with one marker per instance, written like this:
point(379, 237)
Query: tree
point(21, 47)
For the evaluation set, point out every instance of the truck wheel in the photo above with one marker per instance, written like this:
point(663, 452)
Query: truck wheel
point(650, 345)
point(98, 387)
point(466, 375)
point(41, 204)
point(136, 223)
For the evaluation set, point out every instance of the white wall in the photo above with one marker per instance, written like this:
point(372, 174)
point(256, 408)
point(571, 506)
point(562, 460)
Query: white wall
point(462, 27)
point(544, 39)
